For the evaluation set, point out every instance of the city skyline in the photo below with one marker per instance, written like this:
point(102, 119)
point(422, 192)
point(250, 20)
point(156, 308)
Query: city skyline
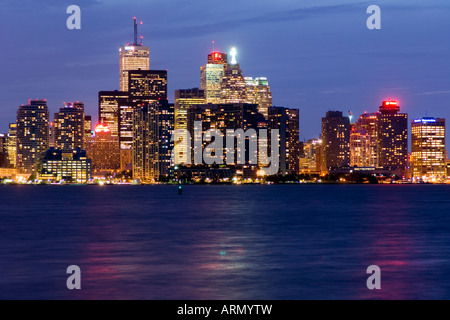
point(299, 82)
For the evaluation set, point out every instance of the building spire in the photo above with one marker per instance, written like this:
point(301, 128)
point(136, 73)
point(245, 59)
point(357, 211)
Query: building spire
point(135, 32)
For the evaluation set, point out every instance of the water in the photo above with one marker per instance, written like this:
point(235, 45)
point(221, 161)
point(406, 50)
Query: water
point(225, 242)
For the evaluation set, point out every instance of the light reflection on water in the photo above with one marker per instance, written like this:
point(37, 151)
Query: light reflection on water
point(225, 242)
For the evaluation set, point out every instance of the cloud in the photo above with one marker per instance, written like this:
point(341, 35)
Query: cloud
point(432, 93)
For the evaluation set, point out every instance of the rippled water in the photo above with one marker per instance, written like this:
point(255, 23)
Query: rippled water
point(225, 242)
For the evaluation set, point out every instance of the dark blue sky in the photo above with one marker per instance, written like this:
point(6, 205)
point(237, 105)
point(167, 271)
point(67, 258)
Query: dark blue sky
point(318, 55)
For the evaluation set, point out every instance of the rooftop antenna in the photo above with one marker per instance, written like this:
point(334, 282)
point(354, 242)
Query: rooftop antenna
point(214, 46)
point(135, 32)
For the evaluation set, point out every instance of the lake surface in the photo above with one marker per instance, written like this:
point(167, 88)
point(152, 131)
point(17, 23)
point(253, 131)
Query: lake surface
point(225, 242)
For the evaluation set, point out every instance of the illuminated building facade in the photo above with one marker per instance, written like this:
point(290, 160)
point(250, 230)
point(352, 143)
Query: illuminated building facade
point(147, 86)
point(228, 117)
point(69, 166)
point(152, 146)
point(360, 143)
point(428, 148)
point(109, 103)
point(87, 127)
point(392, 137)
point(336, 141)
point(287, 121)
point(211, 76)
point(69, 127)
point(104, 150)
point(234, 87)
point(364, 145)
point(3, 155)
point(311, 161)
point(258, 92)
point(32, 135)
point(11, 145)
point(183, 100)
point(133, 57)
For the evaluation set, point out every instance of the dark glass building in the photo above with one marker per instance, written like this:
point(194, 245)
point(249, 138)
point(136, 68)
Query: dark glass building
point(335, 141)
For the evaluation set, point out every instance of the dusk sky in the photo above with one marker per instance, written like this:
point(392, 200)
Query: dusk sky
point(318, 55)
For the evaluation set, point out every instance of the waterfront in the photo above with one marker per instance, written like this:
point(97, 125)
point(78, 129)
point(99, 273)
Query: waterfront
point(225, 242)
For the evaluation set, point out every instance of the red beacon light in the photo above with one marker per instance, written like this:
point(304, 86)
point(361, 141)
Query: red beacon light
point(390, 103)
point(102, 128)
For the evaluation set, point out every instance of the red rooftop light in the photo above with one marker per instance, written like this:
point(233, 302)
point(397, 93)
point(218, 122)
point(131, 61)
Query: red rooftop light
point(102, 128)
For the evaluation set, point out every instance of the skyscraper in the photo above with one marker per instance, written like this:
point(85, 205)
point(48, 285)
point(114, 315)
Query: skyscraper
point(183, 100)
point(211, 76)
point(258, 92)
point(133, 57)
point(234, 87)
point(392, 137)
point(364, 141)
point(87, 127)
point(152, 146)
point(336, 141)
point(147, 86)
point(11, 145)
point(32, 135)
point(428, 148)
point(103, 149)
point(109, 103)
point(69, 127)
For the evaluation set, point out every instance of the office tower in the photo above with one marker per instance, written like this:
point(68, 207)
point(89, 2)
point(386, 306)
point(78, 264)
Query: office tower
point(109, 103)
point(69, 127)
point(11, 145)
point(360, 143)
point(225, 117)
point(104, 150)
point(70, 166)
point(287, 121)
point(311, 162)
point(32, 135)
point(428, 148)
point(258, 92)
point(147, 86)
point(87, 127)
point(336, 141)
point(126, 135)
point(3, 154)
point(234, 87)
point(392, 137)
point(152, 146)
point(367, 139)
point(183, 100)
point(211, 76)
point(133, 57)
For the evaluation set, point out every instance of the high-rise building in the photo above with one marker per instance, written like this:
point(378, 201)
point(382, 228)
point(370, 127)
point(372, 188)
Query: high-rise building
point(72, 166)
point(365, 139)
point(225, 117)
point(183, 100)
point(87, 127)
point(3, 154)
point(392, 137)
point(336, 141)
point(69, 127)
point(211, 76)
point(147, 86)
point(104, 150)
point(428, 148)
point(287, 121)
point(32, 135)
point(360, 147)
point(11, 145)
point(311, 162)
point(258, 92)
point(109, 103)
point(234, 87)
point(152, 145)
point(126, 135)
point(133, 57)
